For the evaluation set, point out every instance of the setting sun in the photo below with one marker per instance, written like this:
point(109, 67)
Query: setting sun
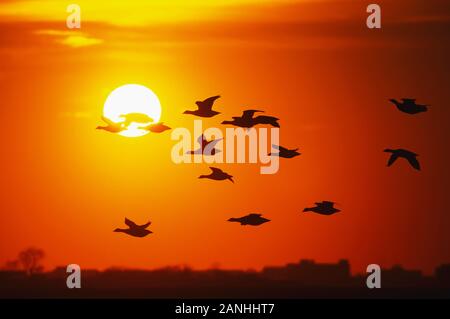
point(135, 105)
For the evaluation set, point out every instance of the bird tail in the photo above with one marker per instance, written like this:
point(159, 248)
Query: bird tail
point(307, 210)
point(231, 179)
point(233, 220)
point(118, 230)
point(275, 123)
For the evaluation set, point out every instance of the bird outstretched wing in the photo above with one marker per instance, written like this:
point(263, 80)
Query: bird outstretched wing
point(201, 140)
point(216, 170)
point(414, 162)
point(108, 121)
point(130, 223)
point(392, 159)
point(207, 104)
point(282, 149)
point(146, 225)
point(277, 147)
point(249, 113)
point(212, 144)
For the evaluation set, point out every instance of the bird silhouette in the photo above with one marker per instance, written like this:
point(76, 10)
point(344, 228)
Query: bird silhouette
point(156, 128)
point(139, 118)
point(206, 147)
point(408, 155)
point(284, 152)
point(409, 106)
point(112, 127)
point(251, 219)
point(247, 120)
point(134, 230)
point(218, 175)
point(323, 208)
point(205, 108)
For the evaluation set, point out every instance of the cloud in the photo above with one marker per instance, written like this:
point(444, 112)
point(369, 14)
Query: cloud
point(77, 114)
point(74, 39)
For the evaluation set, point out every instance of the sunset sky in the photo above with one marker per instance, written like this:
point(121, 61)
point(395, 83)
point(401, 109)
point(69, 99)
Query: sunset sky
point(66, 186)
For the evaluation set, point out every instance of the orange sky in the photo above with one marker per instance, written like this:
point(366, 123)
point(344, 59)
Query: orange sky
point(65, 186)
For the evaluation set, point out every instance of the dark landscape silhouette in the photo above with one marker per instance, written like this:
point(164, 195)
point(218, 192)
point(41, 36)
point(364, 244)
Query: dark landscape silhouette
point(305, 279)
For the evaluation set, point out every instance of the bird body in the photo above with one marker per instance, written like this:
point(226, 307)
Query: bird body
point(204, 108)
point(402, 153)
point(134, 229)
point(218, 175)
point(156, 128)
point(284, 152)
point(323, 208)
point(206, 147)
point(251, 219)
point(409, 106)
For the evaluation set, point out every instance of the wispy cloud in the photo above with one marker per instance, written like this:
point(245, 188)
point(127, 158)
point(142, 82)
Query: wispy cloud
point(74, 39)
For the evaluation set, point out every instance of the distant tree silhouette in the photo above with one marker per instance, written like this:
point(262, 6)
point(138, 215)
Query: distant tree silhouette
point(11, 265)
point(30, 260)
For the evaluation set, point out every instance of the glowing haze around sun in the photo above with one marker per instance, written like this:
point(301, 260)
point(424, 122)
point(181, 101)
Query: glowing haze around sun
point(132, 99)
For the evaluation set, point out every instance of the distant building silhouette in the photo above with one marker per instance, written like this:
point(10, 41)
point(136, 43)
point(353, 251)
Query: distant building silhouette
point(310, 273)
point(305, 279)
point(442, 275)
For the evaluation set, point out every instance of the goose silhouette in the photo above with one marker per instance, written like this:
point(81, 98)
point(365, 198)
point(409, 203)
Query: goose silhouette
point(251, 219)
point(323, 208)
point(409, 106)
point(134, 229)
point(284, 152)
point(111, 127)
point(402, 153)
point(156, 128)
point(206, 147)
point(205, 107)
point(218, 175)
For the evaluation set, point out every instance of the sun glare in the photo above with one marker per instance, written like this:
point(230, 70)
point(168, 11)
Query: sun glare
point(134, 100)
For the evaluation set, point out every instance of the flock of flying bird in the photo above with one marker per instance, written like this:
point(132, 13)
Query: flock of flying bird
point(246, 120)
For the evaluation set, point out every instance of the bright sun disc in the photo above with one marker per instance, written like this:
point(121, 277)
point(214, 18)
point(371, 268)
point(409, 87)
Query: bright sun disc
point(132, 98)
